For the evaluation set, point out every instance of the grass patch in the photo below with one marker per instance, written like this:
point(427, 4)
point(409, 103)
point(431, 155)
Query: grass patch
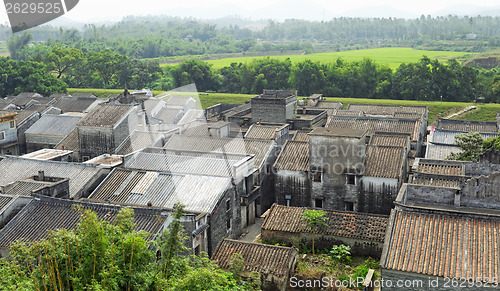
point(391, 57)
point(486, 112)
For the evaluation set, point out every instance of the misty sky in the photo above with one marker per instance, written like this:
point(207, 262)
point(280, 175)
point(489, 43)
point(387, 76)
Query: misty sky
point(88, 10)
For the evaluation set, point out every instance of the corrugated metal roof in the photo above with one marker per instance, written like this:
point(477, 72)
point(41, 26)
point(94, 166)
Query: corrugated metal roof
point(197, 193)
point(265, 132)
point(44, 214)
point(374, 124)
point(24, 187)
point(138, 140)
point(384, 161)
point(54, 125)
point(443, 245)
point(467, 125)
point(448, 136)
point(440, 152)
point(105, 115)
point(260, 148)
point(13, 169)
point(182, 164)
point(387, 109)
point(262, 258)
point(293, 157)
point(339, 223)
point(4, 201)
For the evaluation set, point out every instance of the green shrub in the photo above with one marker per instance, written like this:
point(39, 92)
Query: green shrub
point(341, 253)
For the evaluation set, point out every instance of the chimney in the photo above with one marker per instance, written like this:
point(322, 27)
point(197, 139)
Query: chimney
point(41, 176)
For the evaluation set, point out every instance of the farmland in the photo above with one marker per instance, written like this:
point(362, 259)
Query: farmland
point(484, 112)
point(391, 57)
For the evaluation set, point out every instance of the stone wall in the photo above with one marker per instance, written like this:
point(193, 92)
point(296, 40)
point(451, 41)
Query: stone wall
point(483, 192)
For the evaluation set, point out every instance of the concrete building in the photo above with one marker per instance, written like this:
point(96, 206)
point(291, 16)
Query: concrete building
point(274, 106)
point(105, 128)
point(336, 161)
point(8, 133)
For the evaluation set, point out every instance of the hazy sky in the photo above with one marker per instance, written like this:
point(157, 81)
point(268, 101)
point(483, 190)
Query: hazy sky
point(114, 9)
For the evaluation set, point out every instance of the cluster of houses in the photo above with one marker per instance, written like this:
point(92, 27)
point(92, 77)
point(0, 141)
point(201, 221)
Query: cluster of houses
point(379, 172)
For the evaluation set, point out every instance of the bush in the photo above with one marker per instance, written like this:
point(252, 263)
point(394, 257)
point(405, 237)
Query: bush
point(341, 253)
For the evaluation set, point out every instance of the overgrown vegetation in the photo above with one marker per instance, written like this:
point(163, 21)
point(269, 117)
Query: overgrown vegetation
point(98, 255)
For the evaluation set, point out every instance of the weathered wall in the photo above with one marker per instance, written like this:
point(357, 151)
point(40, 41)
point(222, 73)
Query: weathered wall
point(36, 142)
point(269, 109)
point(293, 183)
point(430, 194)
point(95, 141)
point(22, 128)
point(220, 215)
point(483, 191)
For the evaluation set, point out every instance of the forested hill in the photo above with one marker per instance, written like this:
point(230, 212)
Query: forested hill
point(162, 36)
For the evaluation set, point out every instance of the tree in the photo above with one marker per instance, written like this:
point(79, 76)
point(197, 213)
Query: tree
point(314, 219)
point(63, 59)
point(471, 144)
point(17, 42)
point(198, 72)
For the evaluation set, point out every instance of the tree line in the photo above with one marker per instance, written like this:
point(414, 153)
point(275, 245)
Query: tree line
point(163, 36)
point(49, 70)
point(424, 80)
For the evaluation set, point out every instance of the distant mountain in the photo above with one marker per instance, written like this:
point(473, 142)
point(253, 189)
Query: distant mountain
point(221, 11)
point(468, 10)
point(378, 12)
point(293, 9)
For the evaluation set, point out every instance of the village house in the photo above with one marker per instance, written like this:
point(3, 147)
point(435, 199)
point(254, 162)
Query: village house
point(461, 225)
point(216, 197)
point(278, 133)
point(83, 178)
point(264, 152)
point(45, 214)
point(8, 133)
point(275, 264)
point(10, 205)
point(103, 129)
point(49, 131)
point(363, 232)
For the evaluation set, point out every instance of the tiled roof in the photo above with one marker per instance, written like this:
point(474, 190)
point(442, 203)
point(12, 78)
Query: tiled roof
point(74, 104)
point(329, 104)
point(266, 132)
point(13, 169)
point(449, 168)
point(203, 128)
point(261, 258)
point(398, 140)
point(301, 136)
point(442, 244)
point(374, 124)
point(386, 109)
point(260, 148)
point(54, 125)
point(442, 136)
point(348, 113)
point(70, 142)
point(83, 95)
point(182, 164)
point(44, 214)
point(384, 161)
point(22, 115)
point(340, 223)
point(440, 152)
point(467, 126)
point(105, 115)
point(197, 193)
point(293, 157)
point(411, 115)
point(138, 140)
point(437, 181)
point(237, 110)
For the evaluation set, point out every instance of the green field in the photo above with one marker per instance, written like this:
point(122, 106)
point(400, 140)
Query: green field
point(392, 57)
point(4, 51)
point(437, 109)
